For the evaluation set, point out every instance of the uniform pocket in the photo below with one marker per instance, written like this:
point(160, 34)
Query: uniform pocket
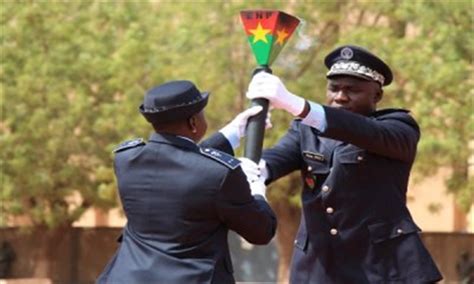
point(380, 232)
point(353, 157)
point(393, 252)
point(353, 167)
point(316, 167)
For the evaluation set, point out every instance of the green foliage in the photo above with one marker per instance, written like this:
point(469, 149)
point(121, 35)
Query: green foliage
point(73, 74)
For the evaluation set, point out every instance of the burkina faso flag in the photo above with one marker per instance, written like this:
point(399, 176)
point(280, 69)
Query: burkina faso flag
point(268, 31)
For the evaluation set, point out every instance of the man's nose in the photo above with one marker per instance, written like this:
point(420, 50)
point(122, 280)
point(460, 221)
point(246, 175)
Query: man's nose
point(341, 96)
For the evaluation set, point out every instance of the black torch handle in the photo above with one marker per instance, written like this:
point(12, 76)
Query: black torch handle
point(256, 125)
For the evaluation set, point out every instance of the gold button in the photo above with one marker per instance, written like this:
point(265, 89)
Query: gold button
point(329, 210)
point(399, 231)
point(333, 231)
point(310, 168)
point(360, 158)
point(325, 188)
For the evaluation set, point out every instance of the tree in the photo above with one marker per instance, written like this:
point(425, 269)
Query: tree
point(73, 75)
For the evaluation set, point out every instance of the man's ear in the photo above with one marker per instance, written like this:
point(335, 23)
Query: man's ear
point(192, 124)
point(378, 96)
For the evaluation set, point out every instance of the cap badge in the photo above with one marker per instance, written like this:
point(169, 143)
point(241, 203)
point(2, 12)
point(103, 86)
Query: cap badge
point(347, 53)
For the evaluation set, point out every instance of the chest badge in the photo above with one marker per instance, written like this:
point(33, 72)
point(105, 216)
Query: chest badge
point(314, 156)
point(309, 182)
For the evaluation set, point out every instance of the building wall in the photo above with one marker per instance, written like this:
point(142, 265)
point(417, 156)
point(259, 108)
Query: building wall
point(434, 209)
point(80, 254)
point(430, 205)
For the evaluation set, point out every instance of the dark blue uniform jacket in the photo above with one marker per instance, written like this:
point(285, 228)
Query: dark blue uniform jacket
point(355, 225)
point(180, 200)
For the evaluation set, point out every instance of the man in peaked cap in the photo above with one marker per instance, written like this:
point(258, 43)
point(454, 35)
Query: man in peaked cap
point(355, 163)
point(180, 198)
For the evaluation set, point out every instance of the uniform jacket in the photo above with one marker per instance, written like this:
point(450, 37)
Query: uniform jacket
point(180, 200)
point(355, 225)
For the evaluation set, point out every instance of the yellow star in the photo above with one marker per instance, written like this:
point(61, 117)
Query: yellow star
point(281, 36)
point(259, 34)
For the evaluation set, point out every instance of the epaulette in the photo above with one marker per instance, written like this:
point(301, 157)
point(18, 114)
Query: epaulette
point(223, 158)
point(129, 144)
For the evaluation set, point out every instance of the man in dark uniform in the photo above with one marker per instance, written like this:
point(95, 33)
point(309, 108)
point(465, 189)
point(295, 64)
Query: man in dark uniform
point(180, 199)
point(355, 163)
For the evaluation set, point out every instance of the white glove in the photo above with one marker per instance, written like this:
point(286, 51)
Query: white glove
point(258, 188)
point(268, 86)
point(250, 169)
point(254, 176)
point(262, 165)
point(235, 129)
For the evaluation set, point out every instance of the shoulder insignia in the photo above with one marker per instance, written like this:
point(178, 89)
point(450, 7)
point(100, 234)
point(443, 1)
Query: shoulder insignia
point(129, 144)
point(223, 158)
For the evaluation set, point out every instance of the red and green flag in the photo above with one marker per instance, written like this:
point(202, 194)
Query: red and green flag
point(268, 32)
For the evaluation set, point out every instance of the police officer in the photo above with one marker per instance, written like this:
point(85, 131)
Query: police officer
point(180, 199)
point(355, 163)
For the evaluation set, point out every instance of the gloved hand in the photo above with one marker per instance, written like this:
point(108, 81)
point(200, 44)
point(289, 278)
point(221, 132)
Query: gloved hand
point(254, 175)
point(268, 86)
point(235, 129)
point(262, 165)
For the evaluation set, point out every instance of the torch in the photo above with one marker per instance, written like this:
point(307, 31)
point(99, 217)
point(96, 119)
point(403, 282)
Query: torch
point(267, 32)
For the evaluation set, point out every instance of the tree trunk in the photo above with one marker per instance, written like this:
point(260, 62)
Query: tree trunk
point(288, 216)
point(288, 222)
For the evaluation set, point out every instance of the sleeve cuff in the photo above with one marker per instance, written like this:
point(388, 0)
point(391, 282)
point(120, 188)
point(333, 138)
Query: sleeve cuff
point(231, 136)
point(316, 117)
point(259, 197)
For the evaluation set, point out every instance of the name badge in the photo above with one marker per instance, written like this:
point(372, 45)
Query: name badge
point(314, 156)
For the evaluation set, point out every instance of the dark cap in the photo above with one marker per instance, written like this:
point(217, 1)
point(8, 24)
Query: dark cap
point(356, 61)
point(171, 101)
